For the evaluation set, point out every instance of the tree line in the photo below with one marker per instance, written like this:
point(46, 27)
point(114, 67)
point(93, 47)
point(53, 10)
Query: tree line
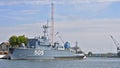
point(15, 41)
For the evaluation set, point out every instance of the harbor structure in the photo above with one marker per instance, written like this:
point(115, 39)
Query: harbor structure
point(116, 44)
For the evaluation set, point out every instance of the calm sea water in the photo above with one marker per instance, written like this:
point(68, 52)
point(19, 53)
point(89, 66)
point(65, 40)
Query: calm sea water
point(90, 62)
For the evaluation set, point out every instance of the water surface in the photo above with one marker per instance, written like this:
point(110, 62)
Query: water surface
point(90, 62)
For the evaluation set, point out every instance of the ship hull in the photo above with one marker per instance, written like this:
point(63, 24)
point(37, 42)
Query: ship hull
point(118, 54)
point(44, 54)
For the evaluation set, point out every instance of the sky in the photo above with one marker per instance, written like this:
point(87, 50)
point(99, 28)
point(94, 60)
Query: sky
point(89, 22)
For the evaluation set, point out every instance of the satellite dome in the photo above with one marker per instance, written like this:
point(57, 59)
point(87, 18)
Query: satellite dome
point(67, 45)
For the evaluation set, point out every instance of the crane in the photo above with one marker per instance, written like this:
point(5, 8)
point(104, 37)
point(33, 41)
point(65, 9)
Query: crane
point(60, 37)
point(116, 44)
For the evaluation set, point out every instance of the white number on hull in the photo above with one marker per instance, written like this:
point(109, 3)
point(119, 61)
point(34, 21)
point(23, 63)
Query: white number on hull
point(39, 52)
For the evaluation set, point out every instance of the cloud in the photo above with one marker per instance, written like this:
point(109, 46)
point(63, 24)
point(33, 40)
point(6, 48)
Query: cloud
point(24, 2)
point(92, 35)
point(94, 7)
point(90, 24)
point(78, 27)
point(30, 30)
point(29, 11)
point(77, 5)
point(108, 0)
point(14, 18)
point(20, 15)
point(39, 2)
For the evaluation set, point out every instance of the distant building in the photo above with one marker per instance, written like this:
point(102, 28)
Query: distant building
point(4, 46)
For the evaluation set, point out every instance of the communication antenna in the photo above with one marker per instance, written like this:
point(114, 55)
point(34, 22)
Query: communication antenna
point(52, 24)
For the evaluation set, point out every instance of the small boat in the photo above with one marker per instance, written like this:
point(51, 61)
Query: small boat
point(3, 54)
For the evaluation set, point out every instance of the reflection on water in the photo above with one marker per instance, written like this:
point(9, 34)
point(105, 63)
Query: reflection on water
point(90, 62)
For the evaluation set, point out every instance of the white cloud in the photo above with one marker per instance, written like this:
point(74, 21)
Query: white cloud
point(90, 24)
point(29, 11)
point(13, 17)
point(84, 5)
point(24, 2)
point(39, 2)
point(96, 7)
point(108, 0)
point(92, 35)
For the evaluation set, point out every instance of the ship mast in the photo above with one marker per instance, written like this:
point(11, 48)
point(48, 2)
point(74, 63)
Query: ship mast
point(52, 24)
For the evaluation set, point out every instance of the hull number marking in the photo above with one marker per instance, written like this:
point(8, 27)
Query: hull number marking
point(39, 52)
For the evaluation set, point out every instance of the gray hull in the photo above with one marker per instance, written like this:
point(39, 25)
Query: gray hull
point(29, 53)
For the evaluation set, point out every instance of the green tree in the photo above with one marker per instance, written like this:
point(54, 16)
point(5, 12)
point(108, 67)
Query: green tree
point(21, 39)
point(90, 53)
point(14, 40)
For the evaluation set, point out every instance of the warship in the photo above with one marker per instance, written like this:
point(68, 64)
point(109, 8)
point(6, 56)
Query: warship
point(43, 48)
